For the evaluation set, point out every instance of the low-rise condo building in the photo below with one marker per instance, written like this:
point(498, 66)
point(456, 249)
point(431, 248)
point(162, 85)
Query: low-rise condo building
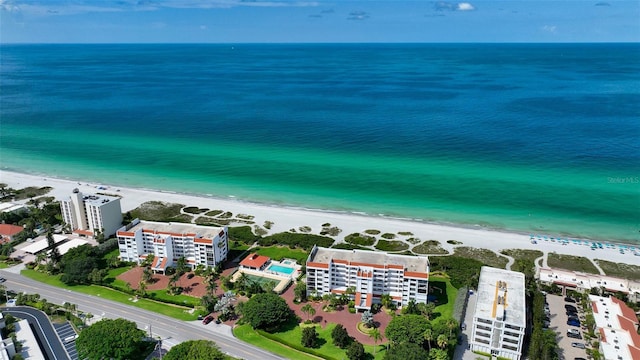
point(617, 325)
point(89, 214)
point(370, 274)
point(585, 282)
point(167, 242)
point(499, 318)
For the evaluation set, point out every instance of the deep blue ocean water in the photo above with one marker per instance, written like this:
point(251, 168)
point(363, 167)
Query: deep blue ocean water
point(528, 137)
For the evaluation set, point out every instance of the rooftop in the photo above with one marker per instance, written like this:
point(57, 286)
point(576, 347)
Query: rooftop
point(179, 229)
point(618, 327)
point(97, 200)
point(254, 261)
point(10, 230)
point(501, 296)
point(363, 257)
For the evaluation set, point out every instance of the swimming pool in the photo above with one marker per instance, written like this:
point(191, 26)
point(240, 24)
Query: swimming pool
point(281, 269)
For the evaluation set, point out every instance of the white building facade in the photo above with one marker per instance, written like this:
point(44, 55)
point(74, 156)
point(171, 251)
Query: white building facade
point(167, 242)
point(617, 326)
point(92, 213)
point(499, 319)
point(371, 274)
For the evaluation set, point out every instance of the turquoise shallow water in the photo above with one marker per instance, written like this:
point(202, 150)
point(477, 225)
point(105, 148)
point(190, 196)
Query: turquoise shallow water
point(533, 138)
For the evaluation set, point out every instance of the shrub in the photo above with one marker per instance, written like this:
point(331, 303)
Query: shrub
point(359, 239)
point(340, 336)
point(309, 337)
point(391, 245)
point(243, 234)
point(303, 241)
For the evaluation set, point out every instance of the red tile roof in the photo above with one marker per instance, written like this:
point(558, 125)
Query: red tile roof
point(254, 261)
point(635, 352)
point(10, 230)
point(83, 232)
point(626, 311)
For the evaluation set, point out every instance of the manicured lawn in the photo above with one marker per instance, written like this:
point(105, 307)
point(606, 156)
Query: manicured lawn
point(280, 252)
point(446, 297)
point(177, 312)
point(294, 335)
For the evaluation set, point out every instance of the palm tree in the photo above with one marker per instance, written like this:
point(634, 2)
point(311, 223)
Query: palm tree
point(147, 275)
point(442, 341)
point(211, 285)
point(242, 281)
point(428, 336)
point(309, 310)
point(376, 336)
point(451, 324)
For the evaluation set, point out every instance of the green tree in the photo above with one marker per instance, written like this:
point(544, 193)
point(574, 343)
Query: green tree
point(407, 328)
point(437, 354)
point(442, 341)
point(54, 254)
point(208, 302)
point(195, 350)
point(387, 301)
point(96, 276)
point(376, 336)
point(266, 311)
point(309, 310)
point(300, 291)
point(309, 337)
point(340, 336)
point(411, 308)
point(181, 266)
point(147, 274)
point(355, 351)
point(77, 271)
point(406, 351)
point(428, 337)
point(117, 339)
point(427, 309)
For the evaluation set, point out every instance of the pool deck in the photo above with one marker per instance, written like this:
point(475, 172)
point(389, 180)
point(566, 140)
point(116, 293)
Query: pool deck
point(283, 281)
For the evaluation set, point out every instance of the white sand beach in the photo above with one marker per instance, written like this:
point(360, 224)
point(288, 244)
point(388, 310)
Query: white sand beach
point(285, 218)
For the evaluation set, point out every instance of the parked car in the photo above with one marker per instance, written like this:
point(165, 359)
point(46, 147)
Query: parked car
point(573, 331)
point(572, 313)
point(578, 345)
point(569, 299)
point(574, 336)
point(570, 307)
point(573, 323)
point(2, 280)
point(207, 319)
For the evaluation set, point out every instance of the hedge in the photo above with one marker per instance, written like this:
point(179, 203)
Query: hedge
point(293, 240)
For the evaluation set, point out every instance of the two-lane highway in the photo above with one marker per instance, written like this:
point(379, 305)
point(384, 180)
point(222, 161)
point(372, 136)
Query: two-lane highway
point(170, 330)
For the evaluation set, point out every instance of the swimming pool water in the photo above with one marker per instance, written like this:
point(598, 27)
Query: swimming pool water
point(281, 269)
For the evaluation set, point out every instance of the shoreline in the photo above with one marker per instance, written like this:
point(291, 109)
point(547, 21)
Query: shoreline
point(285, 218)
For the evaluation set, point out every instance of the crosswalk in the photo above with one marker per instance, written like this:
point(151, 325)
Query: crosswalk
point(68, 336)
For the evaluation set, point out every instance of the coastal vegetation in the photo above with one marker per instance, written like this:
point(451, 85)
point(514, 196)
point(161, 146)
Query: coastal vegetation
point(359, 239)
point(113, 339)
point(294, 240)
point(487, 257)
point(157, 211)
point(571, 263)
point(429, 247)
point(391, 245)
point(621, 270)
point(9, 194)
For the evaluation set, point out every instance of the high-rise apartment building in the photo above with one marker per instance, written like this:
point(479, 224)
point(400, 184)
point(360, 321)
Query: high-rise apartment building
point(88, 214)
point(499, 319)
point(167, 242)
point(370, 274)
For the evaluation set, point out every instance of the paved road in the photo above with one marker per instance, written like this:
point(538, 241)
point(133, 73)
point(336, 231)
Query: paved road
point(46, 334)
point(171, 331)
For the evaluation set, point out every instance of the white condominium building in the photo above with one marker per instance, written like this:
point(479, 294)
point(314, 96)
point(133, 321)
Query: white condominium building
point(167, 242)
point(87, 214)
point(371, 274)
point(618, 328)
point(499, 319)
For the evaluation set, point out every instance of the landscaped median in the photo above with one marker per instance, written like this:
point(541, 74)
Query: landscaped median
point(174, 311)
point(287, 343)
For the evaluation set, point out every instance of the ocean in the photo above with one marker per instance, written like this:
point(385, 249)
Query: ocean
point(536, 138)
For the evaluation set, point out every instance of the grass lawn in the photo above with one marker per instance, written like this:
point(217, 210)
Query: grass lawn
point(177, 312)
point(294, 335)
point(280, 252)
point(488, 257)
point(571, 263)
point(446, 295)
point(625, 271)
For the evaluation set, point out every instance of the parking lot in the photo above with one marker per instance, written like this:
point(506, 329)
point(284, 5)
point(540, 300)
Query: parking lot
point(67, 335)
point(558, 323)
